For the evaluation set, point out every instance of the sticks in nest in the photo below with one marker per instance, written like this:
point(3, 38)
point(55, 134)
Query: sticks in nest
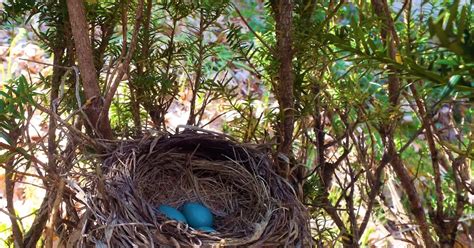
point(251, 203)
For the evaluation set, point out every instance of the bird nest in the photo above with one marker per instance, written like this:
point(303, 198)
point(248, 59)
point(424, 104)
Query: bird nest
point(251, 204)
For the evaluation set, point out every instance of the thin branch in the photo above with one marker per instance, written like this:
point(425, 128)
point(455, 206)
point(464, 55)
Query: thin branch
point(197, 80)
point(126, 62)
point(253, 31)
point(9, 192)
point(80, 33)
point(54, 212)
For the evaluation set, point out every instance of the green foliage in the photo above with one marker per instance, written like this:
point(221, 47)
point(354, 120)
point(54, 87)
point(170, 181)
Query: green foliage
point(454, 30)
point(188, 54)
point(15, 97)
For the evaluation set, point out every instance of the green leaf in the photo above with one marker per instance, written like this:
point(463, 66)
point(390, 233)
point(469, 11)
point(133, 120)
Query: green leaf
point(5, 136)
point(463, 19)
point(4, 158)
point(437, 30)
point(449, 62)
point(453, 81)
point(7, 96)
point(453, 11)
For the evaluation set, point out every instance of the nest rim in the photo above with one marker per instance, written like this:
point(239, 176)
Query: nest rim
point(118, 205)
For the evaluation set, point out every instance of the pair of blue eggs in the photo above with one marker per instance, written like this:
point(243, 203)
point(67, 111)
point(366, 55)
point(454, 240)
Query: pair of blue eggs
point(193, 213)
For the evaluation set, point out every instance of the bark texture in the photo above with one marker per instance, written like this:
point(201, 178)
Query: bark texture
point(90, 82)
point(391, 40)
point(283, 10)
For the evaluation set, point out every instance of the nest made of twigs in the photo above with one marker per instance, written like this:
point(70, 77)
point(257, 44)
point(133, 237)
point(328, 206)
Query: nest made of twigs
point(252, 205)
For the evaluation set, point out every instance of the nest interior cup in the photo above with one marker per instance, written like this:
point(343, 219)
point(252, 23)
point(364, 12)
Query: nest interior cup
point(250, 203)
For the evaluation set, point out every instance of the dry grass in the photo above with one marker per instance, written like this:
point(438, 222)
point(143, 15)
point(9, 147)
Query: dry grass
point(252, 205)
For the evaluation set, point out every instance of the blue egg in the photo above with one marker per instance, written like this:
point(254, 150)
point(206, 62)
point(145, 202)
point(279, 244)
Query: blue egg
point(197, 215)
point(172, 213)
point(206, 229)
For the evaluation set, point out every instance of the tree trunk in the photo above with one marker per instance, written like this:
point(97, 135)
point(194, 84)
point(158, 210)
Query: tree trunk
point(390, 39)
point(283, 10)
point(80, 31)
